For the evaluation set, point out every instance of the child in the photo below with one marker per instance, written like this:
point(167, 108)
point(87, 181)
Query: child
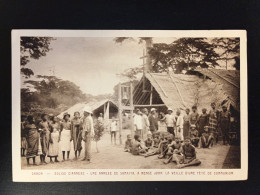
point(128, 144)
point(194, 135)
point(173, 148)
point(137, 148)
point(113, 127)
point(164, 145)
point(203, 121)
point(54, 139)
point(156, 141)
point(65, 136)
point(148, 142)
point(206, 140)
point(187, 155)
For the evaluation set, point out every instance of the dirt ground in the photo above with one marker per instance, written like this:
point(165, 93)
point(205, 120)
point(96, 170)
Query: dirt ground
point(112, 156)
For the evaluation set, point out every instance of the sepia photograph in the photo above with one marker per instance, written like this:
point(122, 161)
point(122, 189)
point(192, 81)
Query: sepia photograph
point(129, 105)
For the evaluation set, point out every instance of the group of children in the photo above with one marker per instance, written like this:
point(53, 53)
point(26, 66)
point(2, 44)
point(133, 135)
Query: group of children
point(183, 135)
point(165, 145)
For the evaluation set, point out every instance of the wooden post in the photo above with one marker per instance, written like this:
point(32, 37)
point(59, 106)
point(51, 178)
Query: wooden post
point(131, 110)
point(151, 95)
point(120, 113)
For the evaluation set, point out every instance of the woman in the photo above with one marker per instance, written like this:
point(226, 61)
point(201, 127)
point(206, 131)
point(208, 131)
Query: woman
point(24, 144)
point(162, 127)
point(32, 137)
point(44, 129)
point(76, 134)
point(65, 136)
point(54, 139)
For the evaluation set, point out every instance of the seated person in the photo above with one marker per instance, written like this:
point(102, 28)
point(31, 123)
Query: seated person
point(156, 141)
point(173, 148)
point(159, 145)
point(148, 142)
point(194, 135)
point(137, 148)
point(163, 146)
point(187, 155)
point(128, 144)
point(206, 139)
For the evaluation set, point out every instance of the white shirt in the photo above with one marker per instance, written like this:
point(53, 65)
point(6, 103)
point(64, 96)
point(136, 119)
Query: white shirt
point(113, 126)
point(138, 121)
point(88, 124)
point(170, 120)
point(179, 122)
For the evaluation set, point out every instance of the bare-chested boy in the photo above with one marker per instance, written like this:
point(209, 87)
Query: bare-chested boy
point(187, 156)
point(128, 144)
point(137, 148)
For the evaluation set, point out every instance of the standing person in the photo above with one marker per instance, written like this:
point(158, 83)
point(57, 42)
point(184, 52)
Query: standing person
point(203, 121)
point(100, 118)
point(76, 134)
point(194, 116)
point(138, 122)
point(23, 135)
point(65, 136)
point(54, 139)
point(145, 123)
point(170, 121)
point(224, 123)
point(113, 128)
point(32, 137)
point(153, 120)
point(213, 121)
point(179, 125)
point(162, 127)
point(87, 132)
point(45, 137)
point(186, 123)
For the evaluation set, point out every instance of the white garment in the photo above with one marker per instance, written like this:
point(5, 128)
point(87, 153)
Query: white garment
point(88, 124)
point(113, 126)
point(179, 127)
point(170, 120)
point(138, 121)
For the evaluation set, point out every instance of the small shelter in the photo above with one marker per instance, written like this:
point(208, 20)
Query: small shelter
point(108, 107)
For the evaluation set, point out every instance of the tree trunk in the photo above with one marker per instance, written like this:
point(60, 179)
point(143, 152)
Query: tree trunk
point(97, 147)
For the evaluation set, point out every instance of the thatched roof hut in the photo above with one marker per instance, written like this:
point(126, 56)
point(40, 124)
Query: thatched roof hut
point(180, 91)
point(96, 107)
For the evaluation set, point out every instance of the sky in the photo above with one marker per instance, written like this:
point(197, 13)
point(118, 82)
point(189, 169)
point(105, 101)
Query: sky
point(91, 63)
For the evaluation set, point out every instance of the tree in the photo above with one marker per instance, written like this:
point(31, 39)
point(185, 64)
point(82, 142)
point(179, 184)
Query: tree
point(98, 130)
point(229, 50)
point(183, 54)
point(33, 47)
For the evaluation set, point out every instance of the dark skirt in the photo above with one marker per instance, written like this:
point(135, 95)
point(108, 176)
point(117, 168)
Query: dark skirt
point(186, 128)
point(33, 143)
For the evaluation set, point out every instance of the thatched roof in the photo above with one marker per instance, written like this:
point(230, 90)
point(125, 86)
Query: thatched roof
point(179, 91)
point(230, 80)
point(93, 105)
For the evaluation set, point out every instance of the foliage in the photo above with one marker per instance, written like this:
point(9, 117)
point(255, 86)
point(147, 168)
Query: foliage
point(33, 47)
point(98, 130)
point(132, 72)
point(229, 49)
point(50, 94)
point(183, 54)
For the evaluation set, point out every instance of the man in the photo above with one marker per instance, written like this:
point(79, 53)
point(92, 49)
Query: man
point(187, 155)
point(213, 121)
point(87, 132)
point(206, 139)
point(224, 123)
point(153, 120)
point(170, 121)
point(145, 122)
point(76, 134)
point(138, 122)
point(179, 125)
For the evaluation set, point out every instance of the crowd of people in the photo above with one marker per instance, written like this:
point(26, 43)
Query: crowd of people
point(176, 137)
point(43, 139)
point(173, 137)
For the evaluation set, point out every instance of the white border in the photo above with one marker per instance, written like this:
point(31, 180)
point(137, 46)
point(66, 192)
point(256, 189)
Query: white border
point(26, 175)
